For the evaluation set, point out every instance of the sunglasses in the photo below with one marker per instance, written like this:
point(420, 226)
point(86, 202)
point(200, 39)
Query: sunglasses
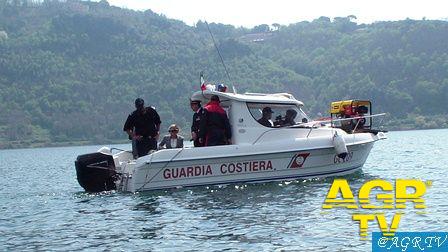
point(173, 130)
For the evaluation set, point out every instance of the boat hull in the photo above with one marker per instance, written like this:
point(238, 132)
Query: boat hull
point(252, 168)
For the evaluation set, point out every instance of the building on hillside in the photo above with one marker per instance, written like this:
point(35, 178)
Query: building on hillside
point(256, 37)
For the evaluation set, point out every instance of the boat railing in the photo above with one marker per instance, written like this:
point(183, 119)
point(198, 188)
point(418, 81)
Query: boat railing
point(118, 149)
point(316, 124)
point(332, 121)
point(262, 134)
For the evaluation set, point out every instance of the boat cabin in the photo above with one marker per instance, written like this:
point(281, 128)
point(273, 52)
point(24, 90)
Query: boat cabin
point(246, 110)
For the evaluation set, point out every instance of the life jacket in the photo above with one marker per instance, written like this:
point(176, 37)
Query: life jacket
point(216, 123)
point(214, 107)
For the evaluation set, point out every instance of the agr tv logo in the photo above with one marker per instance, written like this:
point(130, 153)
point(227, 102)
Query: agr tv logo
point(406, 190)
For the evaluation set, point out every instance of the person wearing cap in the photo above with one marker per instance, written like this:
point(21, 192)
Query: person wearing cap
point(195, 126)
point(143, 127)
point(173, 140)
point(265, 120)
point(289, 119)
point(215, 127)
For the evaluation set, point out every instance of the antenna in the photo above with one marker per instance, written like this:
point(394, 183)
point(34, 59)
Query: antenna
point(219, 53)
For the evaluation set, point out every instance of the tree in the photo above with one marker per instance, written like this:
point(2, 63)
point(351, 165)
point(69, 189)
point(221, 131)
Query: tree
point(261, 28)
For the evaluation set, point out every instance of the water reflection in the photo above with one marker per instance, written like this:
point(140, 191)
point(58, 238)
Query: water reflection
point(149, 204)
point(244, 213)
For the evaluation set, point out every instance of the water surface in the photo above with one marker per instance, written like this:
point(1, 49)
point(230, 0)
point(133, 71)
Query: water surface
point(43, 208)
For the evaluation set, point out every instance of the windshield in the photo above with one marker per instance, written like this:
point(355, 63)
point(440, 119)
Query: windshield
point(277, 115)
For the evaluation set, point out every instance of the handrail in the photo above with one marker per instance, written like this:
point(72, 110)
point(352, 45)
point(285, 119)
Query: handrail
point(352, 118)
point(258, 138)
point(113, 148)
point(347, 119)
point(312, 125)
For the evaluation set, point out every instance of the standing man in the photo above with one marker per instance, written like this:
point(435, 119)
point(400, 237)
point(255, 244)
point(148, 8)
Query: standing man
point(215, 126)
point(143, 127)
point(195, 126)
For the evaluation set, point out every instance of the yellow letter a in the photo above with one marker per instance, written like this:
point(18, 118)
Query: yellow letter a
point(347, 201)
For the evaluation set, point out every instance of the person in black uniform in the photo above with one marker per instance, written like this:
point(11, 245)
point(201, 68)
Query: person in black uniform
point(265, 120)
point(143, 127)
point(195, 126)
point(215, 127)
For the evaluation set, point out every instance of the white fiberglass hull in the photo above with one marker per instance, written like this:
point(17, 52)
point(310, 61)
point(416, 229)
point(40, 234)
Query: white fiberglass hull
point(236, 164)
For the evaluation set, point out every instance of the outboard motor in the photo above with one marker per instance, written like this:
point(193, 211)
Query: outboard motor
point(96, 172)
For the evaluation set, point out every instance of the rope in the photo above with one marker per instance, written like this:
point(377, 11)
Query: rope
point(166, 164)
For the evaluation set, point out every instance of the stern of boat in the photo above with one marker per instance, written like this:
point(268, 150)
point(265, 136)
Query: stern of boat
point(102, 170)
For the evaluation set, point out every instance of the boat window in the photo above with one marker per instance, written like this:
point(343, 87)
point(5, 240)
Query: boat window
point(277, 115)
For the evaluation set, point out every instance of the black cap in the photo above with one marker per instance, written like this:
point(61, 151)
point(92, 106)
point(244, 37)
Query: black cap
point(267, 110)
point(195, 102)
point(139, 103)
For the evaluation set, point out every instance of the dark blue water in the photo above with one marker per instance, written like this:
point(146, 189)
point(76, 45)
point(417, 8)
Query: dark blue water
point(44, 209)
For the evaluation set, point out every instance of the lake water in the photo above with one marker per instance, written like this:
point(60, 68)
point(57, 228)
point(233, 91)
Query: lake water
point(44, 209)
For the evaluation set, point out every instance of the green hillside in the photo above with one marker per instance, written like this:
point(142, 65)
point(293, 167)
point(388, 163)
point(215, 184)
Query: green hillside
point(70, 71)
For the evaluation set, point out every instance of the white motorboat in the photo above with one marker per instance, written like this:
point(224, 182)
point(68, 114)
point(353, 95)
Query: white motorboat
point(307, 149)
